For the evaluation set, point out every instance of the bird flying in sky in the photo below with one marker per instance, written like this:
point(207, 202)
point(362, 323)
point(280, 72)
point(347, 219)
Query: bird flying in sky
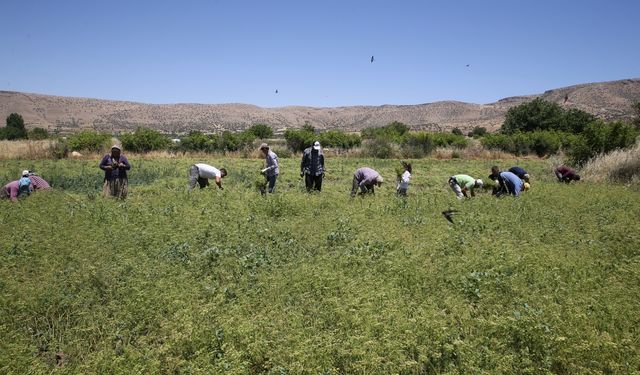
point(372, 59)
point(276, 91)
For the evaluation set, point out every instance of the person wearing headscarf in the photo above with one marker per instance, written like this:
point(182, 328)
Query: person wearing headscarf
point(115, 167)
point(14, 189)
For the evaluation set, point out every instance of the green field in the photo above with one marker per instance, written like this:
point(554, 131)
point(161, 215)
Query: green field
point(233, 282)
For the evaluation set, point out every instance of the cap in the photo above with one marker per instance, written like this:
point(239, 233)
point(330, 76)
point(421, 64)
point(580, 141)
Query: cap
point(25, 173)
point(479, 182)
point(316, 145)
point(527, 186)
point(116, 147)
point(263, 146)
point(379, 179)
point(526, 176)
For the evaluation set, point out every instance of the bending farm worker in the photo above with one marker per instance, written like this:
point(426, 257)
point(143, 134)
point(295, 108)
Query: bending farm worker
point(14, 189)
point(366, 179)
point(37, 182)
point(521, 173)
point(566, 174)
point(462, 183)
point(201, 173)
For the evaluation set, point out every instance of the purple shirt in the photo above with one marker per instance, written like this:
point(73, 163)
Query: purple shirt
point(366, 176)
point(120, 172)
point(11, 190)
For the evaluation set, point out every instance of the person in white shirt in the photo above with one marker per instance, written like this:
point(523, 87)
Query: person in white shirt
point(403, 180)
point(201, 173)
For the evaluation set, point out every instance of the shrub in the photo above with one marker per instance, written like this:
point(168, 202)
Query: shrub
point(456, 131)
point(261, 131)
point(89, 140)
point(38, 134)
point(616, 166)
point(478, 131)
point(600, 137)
point(394, 132)
point(145, 140)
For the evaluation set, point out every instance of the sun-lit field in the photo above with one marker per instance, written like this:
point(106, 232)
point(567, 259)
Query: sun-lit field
point(233, 282)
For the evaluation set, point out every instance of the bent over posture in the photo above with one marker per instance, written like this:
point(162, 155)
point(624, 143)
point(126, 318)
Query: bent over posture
point(201, 173)
point(366, 179)
point(461, 183)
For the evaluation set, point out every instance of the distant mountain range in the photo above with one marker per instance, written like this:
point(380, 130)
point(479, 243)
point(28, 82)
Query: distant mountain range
point(607, 100)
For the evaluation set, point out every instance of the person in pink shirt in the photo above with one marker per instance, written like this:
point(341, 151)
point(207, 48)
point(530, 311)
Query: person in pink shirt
point(14, 189)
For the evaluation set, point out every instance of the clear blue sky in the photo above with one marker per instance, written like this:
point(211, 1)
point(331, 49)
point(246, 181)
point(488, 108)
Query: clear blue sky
point(315, 53)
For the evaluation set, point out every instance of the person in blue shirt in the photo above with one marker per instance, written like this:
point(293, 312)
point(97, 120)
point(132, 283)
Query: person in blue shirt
point(512, 184)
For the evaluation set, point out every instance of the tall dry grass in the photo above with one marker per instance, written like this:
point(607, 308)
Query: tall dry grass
point(25, 149)
point(617, 166)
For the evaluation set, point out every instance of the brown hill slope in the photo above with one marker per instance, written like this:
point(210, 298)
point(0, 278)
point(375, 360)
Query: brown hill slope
point(608, 100)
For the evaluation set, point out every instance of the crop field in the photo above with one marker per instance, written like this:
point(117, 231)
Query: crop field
point(228, 281)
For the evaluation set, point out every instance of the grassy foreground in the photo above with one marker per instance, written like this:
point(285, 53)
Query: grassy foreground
point(232, 282)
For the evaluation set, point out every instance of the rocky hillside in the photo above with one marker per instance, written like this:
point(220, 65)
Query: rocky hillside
point(608, 100)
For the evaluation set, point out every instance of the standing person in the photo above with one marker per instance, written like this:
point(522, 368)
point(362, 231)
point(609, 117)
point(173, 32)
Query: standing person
point(115, 167)
point(201, 173)
point(271, 171)
point(462, 183)
point(14, 189)
point(566, 174)
point(512, 183)
point(366, 179)
point(403, 180)
point(312, 167)
point(37, 182)
point(521, 173)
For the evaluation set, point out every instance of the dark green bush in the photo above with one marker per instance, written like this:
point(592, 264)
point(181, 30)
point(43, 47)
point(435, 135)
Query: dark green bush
point(393, 132)
point(89, 140)
point(145, 140)
point(600, 137)
point(38, 133)
point(478, 131)
point(261, 131)
point(540, 114)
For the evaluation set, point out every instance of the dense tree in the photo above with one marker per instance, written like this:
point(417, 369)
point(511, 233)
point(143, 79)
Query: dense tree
point(537, 114)
point(15, 128)
point(261, 131)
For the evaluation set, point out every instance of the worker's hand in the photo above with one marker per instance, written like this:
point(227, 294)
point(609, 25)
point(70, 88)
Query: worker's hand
point(108, 168)
point(322, 174)
point(301, 174)
point(121, 165)
point(263, 171)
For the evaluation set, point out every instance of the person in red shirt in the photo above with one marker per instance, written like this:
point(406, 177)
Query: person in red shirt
point(566, 174)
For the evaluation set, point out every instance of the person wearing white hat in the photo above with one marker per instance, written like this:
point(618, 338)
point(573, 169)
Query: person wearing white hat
point(366, 179)
point(462, 183)
point(312, 167)
point(115, 167)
